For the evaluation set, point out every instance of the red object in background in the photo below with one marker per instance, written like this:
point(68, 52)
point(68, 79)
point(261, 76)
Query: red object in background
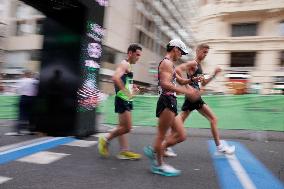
point(239, 80)
point(239, 86)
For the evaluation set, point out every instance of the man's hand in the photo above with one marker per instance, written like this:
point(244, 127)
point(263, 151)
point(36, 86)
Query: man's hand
point(199, 78)
point(136, 89)
point(217, 71)
point(127, 92)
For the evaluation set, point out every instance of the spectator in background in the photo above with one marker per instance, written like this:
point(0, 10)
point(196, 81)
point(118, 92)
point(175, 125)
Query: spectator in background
point(27, 91)
point(257, 87)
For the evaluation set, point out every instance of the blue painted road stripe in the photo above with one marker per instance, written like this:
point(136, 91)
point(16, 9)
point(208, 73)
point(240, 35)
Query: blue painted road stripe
point(16, 153)
point(226, 176)
point(242, 170)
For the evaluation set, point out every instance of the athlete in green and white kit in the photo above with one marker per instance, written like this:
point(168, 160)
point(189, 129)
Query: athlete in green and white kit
point(124, 89)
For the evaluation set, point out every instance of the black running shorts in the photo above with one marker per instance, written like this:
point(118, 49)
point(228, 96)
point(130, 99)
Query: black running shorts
point(122, 105)
point(190, 106)
point(166, 101)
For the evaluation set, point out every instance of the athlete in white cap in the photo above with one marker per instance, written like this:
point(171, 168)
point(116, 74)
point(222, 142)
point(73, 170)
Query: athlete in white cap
point(166, 110)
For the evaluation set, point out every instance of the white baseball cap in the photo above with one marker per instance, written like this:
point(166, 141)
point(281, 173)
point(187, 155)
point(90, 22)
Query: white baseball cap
point(178, 43)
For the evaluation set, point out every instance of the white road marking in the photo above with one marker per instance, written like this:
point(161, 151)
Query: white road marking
point(30, 145)
point(44, 157)
point(4, 179)
point(24, 143)
point(240, 171)
point(99, 134)
point(81, 143)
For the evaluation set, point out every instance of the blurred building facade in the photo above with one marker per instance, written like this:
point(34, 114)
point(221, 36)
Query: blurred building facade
point(20, 28)
point(22, 41)
point(246, 39)
point(150, 23)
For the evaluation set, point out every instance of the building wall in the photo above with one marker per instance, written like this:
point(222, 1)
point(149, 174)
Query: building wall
point(120, 32)
point(214, 27)
point(123, 22)
point(28, 42)
point(118, 24)
point(143, 22)
point(22, 37)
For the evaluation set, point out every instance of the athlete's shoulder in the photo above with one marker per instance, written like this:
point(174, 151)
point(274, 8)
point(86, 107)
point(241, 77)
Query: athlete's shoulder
point(167, 62)
point(191, 63)
point(186, 65)
point(124, 64)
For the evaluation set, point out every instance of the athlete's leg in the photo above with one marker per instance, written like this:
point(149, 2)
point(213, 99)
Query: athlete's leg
point(178, 133)
point(207, 112)
point(123, 142)
point(125, 122)
point(221, 148)
point(184, 115)
point(124, 152)
point(166, 119)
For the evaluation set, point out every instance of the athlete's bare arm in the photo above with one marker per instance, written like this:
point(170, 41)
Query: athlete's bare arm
point(206, 81)
point(121, 69)
point(166, 73)
point(189, 67)
point(182, 81)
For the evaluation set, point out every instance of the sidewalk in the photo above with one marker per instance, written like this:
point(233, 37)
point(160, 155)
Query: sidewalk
point(192, 132)
point(82, 167)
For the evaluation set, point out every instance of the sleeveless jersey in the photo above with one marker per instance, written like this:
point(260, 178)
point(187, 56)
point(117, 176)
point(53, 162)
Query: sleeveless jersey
point(127, 79)
point(195, 84)
point(160, 89)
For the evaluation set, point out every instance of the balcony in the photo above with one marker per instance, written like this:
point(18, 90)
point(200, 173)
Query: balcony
point(238, 7)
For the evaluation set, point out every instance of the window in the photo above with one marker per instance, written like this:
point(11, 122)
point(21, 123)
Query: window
point(2, 30)
point(244, 29)
point(281, 59)
point(141, 38)
point(35, 55)
point(39, 26)
point(23, 28)
point(108, 55)
point(2, 53)
point(243, 59)
point(281, 26)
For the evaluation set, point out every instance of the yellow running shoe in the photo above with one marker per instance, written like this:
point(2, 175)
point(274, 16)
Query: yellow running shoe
point(128, 155)
point(103, 147)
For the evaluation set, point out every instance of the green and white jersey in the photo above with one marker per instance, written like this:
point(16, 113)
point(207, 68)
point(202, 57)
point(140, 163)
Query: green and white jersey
point(127, 80)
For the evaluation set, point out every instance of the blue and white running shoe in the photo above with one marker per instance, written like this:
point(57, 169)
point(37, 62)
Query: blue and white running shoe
point(165, 170)
point(149, 152)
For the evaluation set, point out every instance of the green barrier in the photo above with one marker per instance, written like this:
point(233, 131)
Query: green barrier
point(9, 107)
point(252, 112)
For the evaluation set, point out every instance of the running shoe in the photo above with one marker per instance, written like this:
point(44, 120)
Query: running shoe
point(165, 170)
point(169, 152)
point(103, 147)
point(149, 152)
point(128, 155)
point(226, 150)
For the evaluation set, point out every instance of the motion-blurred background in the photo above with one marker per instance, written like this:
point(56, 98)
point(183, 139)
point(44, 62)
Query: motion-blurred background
point(246, 39)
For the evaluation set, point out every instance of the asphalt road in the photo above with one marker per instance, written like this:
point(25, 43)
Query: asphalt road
point(81, 167)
